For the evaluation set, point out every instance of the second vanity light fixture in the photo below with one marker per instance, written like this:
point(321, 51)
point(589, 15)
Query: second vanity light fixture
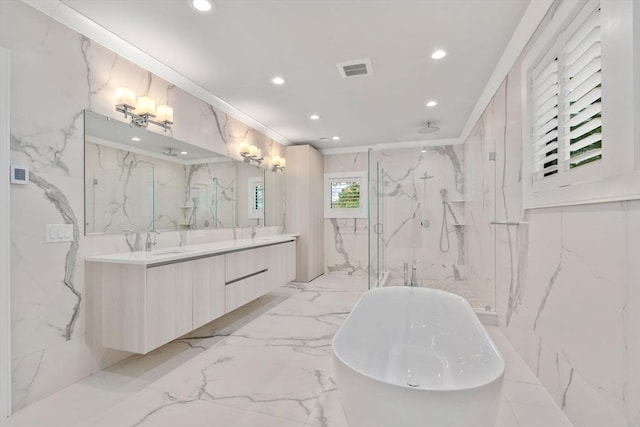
point(251, 153)
point(278, 163)
point(143, 110)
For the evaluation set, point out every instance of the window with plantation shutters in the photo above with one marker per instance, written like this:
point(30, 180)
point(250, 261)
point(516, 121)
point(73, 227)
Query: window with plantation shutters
point(581, 89)
point(346, 195)
point(566, 110)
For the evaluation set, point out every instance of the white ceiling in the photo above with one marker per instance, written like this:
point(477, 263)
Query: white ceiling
point(235, 52)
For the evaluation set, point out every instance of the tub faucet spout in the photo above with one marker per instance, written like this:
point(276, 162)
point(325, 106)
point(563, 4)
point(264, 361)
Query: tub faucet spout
point(414, 281)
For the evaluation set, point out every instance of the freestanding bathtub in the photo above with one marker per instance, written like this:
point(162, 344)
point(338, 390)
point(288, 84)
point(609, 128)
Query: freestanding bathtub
point(409, 357)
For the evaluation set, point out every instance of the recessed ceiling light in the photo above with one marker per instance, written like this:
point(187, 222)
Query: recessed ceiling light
point(314, 117)
point(277, 81)
point(335, 138)
point(135, 138)
point(432, 104)
point(324, 138)
point(184, 153)
point(202, 6)
point(424, 150)
point(439, 54)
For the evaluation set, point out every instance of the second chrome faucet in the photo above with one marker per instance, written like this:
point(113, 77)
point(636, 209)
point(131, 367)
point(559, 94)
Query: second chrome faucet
point(150, 242)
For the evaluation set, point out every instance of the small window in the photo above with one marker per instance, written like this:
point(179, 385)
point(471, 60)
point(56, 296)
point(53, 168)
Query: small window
point(345, 195)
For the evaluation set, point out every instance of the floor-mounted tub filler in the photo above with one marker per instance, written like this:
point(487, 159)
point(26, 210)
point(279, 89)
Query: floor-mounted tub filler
point(409, 357)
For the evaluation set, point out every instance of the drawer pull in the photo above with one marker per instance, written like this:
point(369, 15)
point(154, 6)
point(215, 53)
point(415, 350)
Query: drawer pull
point(264, 270)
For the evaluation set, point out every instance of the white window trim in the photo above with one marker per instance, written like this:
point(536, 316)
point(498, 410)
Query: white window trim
point(619, 178)
point(5, 248)
point(361, 178)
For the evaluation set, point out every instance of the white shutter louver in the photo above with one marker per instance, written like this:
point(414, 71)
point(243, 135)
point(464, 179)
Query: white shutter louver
point(545, 91)
point(582, 107)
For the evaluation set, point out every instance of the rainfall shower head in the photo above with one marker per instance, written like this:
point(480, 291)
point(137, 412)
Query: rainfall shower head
point(429, 129)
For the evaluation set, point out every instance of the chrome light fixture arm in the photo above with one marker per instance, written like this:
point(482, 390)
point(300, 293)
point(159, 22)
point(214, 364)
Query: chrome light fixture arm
point(142, 120)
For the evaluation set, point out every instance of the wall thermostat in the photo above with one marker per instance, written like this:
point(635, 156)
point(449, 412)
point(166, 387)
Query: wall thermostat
point(19, 173)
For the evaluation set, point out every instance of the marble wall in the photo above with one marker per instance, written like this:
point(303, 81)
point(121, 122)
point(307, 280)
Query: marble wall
point(345, 239)
point(567, 278)
point(57, 73)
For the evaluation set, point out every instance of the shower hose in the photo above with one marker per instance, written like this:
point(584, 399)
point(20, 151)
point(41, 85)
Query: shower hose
point(444, 231)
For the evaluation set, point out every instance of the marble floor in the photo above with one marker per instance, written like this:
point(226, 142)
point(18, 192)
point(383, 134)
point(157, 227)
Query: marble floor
point(267, 364)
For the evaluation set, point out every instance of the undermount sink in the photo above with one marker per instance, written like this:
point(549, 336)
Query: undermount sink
point(169, 252)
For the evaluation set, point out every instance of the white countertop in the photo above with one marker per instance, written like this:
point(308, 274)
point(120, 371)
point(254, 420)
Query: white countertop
point(178, 253)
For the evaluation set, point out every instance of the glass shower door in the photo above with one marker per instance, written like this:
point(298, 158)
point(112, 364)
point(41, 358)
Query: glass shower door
point(377, 247)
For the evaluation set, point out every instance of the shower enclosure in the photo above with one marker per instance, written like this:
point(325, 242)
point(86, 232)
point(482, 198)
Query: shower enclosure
point(418, 222)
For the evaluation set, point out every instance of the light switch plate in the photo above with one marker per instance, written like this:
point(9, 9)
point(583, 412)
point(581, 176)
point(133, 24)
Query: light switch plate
point(58, 233)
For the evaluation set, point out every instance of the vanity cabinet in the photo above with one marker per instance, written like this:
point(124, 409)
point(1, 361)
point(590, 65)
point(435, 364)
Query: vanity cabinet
point(246, 272)
point(143, 308)
point(208, 289)
point(282, 261)
point(140, 307)
point(168, 303)
point(251, 274)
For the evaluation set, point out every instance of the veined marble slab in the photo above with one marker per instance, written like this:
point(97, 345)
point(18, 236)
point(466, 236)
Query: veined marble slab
point(179, 253)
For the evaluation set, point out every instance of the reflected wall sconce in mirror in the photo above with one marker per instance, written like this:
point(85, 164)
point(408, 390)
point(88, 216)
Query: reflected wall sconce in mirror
point(278, 164)
point(143, 110)
point(251, 153)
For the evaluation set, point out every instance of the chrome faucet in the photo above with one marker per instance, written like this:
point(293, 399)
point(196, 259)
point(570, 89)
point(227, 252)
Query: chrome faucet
point(414, 281)
point(406, 273)
point(150, 243)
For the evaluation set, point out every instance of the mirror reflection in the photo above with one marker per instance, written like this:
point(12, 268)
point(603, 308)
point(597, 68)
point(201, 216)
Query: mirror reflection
point(139, 180)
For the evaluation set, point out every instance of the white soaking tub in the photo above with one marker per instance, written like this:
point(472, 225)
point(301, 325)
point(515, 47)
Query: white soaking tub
point(409, 357)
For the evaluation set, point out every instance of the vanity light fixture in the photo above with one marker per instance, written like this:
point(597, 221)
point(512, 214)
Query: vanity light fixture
point(251, 153)
point(143, 110)
point(278, 163)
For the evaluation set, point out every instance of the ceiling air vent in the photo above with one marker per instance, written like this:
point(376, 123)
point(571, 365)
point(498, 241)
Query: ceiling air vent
point(355, 68)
